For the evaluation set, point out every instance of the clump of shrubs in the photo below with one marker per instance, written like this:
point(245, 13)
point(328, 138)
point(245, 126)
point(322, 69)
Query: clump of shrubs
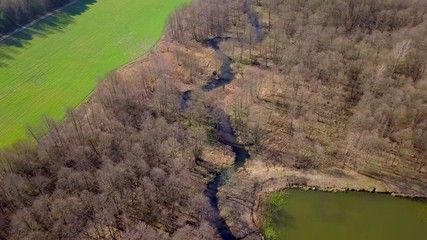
point(303, 162)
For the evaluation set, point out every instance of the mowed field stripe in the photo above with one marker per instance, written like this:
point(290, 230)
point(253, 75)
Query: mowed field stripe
point(57, 62)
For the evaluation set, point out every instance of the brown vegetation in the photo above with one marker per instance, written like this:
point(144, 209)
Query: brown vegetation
point(341, 83)
point(341, 101)
point(120, 167)
point(129, 164)
point(333, 84)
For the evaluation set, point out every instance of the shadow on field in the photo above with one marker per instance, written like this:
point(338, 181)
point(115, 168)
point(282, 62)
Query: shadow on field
point(52, 24)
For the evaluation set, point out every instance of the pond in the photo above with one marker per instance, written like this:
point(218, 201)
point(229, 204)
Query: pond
point(353, 215)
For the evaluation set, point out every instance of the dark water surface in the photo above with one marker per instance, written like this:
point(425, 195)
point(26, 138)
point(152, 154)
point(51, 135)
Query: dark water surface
point(226, 136)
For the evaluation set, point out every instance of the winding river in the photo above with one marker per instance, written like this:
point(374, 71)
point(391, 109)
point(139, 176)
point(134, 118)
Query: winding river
point(226, 136)
point(307, 214)
point(223, 124)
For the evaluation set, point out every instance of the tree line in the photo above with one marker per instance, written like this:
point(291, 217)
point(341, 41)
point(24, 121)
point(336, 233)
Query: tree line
point(15, 13)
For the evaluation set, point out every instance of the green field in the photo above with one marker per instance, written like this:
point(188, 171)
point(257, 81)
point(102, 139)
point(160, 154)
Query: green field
point(58, 62)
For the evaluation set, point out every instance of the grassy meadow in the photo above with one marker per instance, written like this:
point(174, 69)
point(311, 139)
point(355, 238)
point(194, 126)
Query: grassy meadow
point(57, 63)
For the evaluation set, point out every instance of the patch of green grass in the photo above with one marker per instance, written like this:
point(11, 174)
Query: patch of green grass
point(274, 208)
point(57, 63)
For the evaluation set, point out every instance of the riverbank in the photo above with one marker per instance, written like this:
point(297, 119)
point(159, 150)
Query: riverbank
point(305, 214)
point(257, 180)
point(260, 97)
point(298, 126)
point(254, 100)
point(274, 168)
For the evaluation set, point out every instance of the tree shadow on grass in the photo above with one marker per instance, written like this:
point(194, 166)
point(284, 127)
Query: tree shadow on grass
point(53, 24)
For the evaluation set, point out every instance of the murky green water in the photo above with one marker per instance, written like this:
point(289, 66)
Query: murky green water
point(365, 216)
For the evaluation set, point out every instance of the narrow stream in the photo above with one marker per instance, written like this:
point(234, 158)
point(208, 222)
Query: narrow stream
point(296, 224)
point(226, 136)
point(225, 130)
point(254, 20)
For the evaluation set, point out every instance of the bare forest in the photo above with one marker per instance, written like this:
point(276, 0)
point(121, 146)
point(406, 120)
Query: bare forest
point(335, 84)
point(319, 84)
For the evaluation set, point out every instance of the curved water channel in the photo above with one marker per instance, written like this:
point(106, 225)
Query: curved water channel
point(226, 136)
point(225, 130)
